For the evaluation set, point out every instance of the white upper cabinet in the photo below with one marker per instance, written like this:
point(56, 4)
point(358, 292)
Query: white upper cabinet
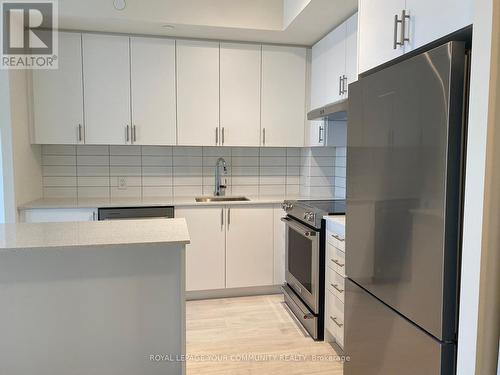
point(58, 96)
point(240, 94)
point(335, 67)
point(283, 96)
point(152, 74)
point(334, 64)
point(385, 35)
point(106, 75)
point(198, 93)
point(115, 90)
point(351, 51)
point(249, 246)
point(376, 32)
point(431, 20)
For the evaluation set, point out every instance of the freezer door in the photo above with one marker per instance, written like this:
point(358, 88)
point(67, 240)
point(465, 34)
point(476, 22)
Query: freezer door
point(379, 341)
point(404, 183)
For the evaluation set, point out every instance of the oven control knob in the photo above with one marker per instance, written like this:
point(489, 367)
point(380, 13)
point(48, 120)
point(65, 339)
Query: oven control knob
point(309, 216)
point(286, 206)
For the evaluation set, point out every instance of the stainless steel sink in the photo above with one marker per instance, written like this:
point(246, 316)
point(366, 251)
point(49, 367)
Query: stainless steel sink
point(221, 199)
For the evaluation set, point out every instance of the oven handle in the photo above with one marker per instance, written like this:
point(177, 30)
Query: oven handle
point(304, 231)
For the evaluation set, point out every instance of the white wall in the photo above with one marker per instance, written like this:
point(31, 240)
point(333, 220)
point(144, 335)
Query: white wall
point(7, 177)
point(21, 161)
point(474, 187)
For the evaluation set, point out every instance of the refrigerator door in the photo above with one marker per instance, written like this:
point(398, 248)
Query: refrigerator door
point(404, 164)
point(379, 341)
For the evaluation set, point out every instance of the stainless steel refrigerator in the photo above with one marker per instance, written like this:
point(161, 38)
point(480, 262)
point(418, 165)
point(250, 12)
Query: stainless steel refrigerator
point(406, 132)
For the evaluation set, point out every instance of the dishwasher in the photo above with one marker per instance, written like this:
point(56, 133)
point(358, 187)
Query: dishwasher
point(133, 213)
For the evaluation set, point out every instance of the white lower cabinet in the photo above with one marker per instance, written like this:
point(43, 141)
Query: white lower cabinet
point(232, 247)
point(249, 246)
point(335, 282)
point(58, 215)
point(279, 246)
point(205, 255)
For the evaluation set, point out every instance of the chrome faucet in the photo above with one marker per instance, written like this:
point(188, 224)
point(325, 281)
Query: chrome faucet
point(220, 189)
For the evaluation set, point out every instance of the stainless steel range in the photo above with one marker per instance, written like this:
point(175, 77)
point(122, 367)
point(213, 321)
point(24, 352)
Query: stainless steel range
point(305, 260)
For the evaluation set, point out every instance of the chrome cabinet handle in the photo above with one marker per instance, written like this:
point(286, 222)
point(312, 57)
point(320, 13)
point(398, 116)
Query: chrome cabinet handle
point(263, 136)
point(401, 21)
point(336, 287)
point(337, 262)
point(127, 134)
point(396, 21)
point(222, 138)
point(334, 319)
point(134, 133)
point(216, 136)
point(93, 216)
point(320, 134)
point(344, 80)
point(404, 18)
point(337, 237)
point(340, 85)
point(221, 218)
point(80, 133)
point(228, 218)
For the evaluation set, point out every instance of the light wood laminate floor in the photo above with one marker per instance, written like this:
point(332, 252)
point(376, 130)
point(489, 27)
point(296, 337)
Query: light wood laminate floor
point(221, 331)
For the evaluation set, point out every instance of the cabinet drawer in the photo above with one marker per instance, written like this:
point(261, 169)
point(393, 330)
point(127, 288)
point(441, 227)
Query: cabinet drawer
point(335, 318)
point(335, 283)
point(336, 259)
point(336, 240)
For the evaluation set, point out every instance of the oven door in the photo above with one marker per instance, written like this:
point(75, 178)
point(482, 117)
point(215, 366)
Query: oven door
point(302, 262)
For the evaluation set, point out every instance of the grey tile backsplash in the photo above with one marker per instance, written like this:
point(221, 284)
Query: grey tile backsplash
point(162, 171)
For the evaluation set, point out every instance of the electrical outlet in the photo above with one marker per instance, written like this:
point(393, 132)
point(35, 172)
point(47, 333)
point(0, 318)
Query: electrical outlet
point(122, 183)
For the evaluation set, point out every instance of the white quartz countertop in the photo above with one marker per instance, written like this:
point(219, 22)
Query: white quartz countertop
point(93, 233)
point(55, 203)
point(339, 219)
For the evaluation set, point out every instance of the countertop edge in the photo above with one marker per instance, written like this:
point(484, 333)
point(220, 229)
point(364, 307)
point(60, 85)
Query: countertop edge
point(69, 203)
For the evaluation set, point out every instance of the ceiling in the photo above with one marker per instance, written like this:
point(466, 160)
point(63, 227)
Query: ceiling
point(300, 22)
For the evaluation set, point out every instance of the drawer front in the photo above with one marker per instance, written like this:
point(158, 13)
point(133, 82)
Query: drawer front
point(336, 259)
point(335, 235)
point(336, 283)
point(336, 240)
point(335, 318)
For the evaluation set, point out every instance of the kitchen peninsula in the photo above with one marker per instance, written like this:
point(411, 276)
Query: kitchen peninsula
point(92, 297)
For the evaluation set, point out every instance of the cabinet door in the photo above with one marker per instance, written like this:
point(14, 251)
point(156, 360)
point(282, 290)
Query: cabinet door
point(197, 92)
point(153, 91)
point(351, 51)
point(249, 246)
point(279, 246)
point(335, 68)
point(317, 133)
point(376, 32)
point(205, 255)
point(106, 79)
point(283, 96)
point(431, 20)
point(58, 215)
point(319, 64)
point(240, 94)
point(58, 96)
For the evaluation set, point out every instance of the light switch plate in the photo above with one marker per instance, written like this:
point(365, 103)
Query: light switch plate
point(122, 183)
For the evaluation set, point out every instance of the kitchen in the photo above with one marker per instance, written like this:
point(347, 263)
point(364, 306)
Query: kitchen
point(259, 125)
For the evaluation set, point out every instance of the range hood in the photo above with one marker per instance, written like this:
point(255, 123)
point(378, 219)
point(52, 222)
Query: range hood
point(334, 111)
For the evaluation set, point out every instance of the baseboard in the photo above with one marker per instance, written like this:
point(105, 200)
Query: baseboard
point(232, 292)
